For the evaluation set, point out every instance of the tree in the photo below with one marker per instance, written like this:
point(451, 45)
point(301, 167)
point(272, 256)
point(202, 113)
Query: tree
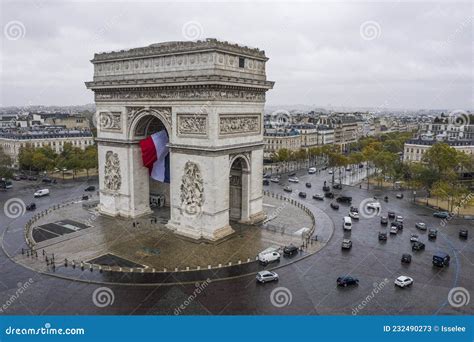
point(5, 164)
point(89, 159)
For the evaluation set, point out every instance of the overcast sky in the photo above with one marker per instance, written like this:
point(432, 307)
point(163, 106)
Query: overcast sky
point(378, 54)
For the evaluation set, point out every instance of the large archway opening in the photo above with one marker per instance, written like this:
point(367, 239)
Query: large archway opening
point(238, 190)
point(158, 191)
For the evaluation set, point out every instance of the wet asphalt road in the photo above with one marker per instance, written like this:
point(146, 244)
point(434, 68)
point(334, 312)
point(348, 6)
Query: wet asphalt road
point(306, 287)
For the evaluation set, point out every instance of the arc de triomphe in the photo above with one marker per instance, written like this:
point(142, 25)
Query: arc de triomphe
point(209, 96)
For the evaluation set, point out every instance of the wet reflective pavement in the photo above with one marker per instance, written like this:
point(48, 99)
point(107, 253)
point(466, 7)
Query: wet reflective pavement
point(307, 286)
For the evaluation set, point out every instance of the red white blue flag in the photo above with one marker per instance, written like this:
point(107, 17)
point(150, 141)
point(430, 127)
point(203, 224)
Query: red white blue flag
point(155, 156)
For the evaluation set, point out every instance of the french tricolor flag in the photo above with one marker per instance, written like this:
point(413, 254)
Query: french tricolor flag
point(155, 155)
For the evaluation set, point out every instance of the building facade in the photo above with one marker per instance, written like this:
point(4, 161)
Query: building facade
point(414, 149)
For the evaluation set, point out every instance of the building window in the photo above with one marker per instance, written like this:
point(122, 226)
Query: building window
point(241, 62)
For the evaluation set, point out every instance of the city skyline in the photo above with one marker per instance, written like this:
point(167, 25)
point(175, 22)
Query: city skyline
point(380, 55)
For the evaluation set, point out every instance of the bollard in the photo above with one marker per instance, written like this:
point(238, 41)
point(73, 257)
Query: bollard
point(248, 259)
point(65, 262)
point(220, 265)
point(120, 269)
point(36, 254)
point(91, 268)
point(240, 262)
point(27, 253)
point(187, 268)
point(198, 268)
point(43, 251)
point(22, 251)
point(208, 267)
point(100, 269)
point(176, 269)
point(73, 264)
point(82, 266)
point(230, 263)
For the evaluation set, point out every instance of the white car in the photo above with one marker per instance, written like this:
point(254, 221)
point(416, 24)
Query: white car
point(374, 206)
point(354, 215)
point(414, 238)
point(275, 180)
point(41, 193)
point(420, 225)
point(399, 218)
point(393, 230)
point(266, 258)
point(266, 276)
point(330, 172)
point(293, 180)
point(403, 281)
point(312, 170)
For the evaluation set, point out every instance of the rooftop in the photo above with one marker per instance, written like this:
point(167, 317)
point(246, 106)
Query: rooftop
point(179, 47)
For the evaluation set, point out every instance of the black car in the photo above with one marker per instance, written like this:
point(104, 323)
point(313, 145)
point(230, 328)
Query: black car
point(328, 195)
point(406, 258)
point(391, 214)
point(337, 186)
point(32, 178)
point(418, 246)
point(326, 188)
point(382, 236)
point(31, 207)
point(85, 197)
point(335, 206)
point(92, 188)
point(290, 250)
point(302, 194)
point(23, 177)
point(293, 174)
point(16, 178)
point(47, 180)
point(266, 182)
point(384, 220)
point(433, 233)
point(354, 210)
point(399, 225)
point(344, 281)
point(308, 185)
point(344, 199)
point(463, 233)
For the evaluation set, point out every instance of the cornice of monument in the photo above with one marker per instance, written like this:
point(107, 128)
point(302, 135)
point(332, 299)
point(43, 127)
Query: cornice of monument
point(180, 47)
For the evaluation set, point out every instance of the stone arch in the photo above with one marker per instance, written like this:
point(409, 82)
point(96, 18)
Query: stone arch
point(239, 187)
point(144, 117)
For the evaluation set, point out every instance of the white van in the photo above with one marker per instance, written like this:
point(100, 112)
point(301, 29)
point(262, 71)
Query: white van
point(268, 257)
point(312, 170)
point(41, 193)
point(347, 223)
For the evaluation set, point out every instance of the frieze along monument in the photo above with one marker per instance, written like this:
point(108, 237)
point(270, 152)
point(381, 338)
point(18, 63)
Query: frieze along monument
point(209, 96)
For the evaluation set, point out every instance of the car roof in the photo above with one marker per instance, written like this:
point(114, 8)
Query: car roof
point(346, 240)
point(403, 278)
point(265, 272)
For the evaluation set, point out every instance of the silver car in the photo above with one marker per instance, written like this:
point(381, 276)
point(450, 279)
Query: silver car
point(266, 276)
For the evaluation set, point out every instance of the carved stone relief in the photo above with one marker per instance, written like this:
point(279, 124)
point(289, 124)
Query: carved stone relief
point(239, 124)
point(190, 124)
point(111, 121)
point(192, 189)
point(112, 176)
